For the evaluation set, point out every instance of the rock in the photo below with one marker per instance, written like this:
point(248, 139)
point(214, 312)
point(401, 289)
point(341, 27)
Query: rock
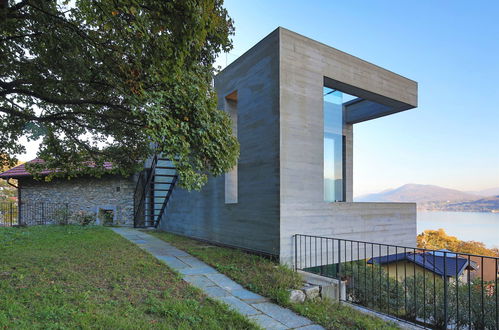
point(296, 296)
point(312, 292)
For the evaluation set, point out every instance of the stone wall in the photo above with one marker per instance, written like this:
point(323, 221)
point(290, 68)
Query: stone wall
point(81, 194)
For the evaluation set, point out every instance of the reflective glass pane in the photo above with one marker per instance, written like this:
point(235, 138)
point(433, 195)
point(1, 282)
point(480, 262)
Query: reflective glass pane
point(333, 145)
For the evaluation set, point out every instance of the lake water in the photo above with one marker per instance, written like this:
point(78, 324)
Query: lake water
point(466, 226)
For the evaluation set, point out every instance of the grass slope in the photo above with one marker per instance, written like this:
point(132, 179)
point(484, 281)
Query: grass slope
point(272, 280)
point(58, 277)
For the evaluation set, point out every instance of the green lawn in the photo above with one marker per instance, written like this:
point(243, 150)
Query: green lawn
point(59, 277)
point(272, 280)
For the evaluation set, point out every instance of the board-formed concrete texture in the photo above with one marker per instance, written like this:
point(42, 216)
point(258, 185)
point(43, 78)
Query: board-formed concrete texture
point(253, 221)
point(278, 87)
point(305, 67)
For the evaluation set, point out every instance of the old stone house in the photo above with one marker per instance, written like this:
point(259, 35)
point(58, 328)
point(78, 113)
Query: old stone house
point(40, 199)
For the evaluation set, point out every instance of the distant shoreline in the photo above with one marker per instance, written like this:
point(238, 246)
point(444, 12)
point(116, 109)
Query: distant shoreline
point(484, 205)
point(450, 210)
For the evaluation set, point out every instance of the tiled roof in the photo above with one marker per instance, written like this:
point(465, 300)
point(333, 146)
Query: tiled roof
point(20, 170)
point(434, 263)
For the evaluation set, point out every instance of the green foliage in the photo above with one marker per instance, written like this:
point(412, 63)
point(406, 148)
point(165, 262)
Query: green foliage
point(106, 216)
point(73, 277)
point(273, 280)
point(438, 239)
point(333, 315)
point(6, 191)
point(107, 80)
point(421, 297)
point(62, 216)
point(83, 218)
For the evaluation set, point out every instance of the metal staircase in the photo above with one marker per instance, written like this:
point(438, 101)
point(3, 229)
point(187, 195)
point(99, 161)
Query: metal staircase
point(153, 191)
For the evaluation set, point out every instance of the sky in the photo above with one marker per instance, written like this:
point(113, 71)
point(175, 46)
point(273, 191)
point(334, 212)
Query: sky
point(451, 48)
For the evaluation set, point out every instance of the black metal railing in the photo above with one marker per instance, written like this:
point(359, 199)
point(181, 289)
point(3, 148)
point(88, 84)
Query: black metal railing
point(44, 213)
point(33, 213)
point(144, 186)
point(435, 288)
point(167, 198)
point(9, 214)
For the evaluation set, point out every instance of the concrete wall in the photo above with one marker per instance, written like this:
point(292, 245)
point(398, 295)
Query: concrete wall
point(253, 221)
point(388, 223)
point(304, 66)
point(280, 189)
point(86, 194)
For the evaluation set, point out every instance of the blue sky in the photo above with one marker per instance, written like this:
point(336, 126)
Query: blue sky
point(451, 48)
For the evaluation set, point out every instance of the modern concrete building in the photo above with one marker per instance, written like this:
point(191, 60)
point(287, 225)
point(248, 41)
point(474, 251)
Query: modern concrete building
point(294, 102)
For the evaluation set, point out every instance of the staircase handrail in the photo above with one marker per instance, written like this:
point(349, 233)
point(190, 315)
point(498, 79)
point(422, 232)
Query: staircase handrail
point(143, 191)
point(165, 202)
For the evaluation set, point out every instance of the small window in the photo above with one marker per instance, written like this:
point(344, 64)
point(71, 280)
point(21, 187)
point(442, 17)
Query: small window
point(118, 189)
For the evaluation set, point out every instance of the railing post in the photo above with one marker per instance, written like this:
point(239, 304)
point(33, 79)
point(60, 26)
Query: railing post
point(66, 214)
point(296, 251)
point(11, 213)
point(339, 260)
point(445, 290)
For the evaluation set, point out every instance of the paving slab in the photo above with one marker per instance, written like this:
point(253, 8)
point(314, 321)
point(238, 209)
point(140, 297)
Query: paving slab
point(218, 286)
point(173, 262)
point(283, 315)
point(248, 296)
point(216, 292)
point(199, 281)
point(224, 282)
point(192, 261)
point(267, 322)
point(311, 327)
point(206, 270)
point(239, 305)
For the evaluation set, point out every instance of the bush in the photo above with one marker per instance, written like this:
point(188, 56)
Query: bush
point(83, 218)
point(107, 217)
point(421, 297)
point(62, 216)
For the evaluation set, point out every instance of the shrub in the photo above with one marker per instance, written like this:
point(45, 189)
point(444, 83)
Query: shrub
point(107, 217)
point(62, 216)
point(421, 297)
point(84, 218)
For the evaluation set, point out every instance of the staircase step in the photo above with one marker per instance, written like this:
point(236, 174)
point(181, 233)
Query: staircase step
point(157, 191)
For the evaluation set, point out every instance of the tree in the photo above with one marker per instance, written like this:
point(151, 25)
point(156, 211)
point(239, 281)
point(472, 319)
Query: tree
point(107, 80)
point(7, 192)
point(438, 239)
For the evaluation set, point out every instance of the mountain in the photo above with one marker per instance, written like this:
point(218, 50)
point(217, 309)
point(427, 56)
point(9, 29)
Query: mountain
point(487, 204)
point(418, 193)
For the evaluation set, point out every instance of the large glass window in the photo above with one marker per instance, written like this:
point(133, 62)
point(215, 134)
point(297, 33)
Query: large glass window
point(334, 142)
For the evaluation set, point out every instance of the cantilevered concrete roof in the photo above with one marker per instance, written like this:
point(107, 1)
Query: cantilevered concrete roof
point(305, 64)
point(380, 92)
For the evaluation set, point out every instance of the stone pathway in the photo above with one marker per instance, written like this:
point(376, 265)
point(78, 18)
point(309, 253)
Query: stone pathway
point(217, 285)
